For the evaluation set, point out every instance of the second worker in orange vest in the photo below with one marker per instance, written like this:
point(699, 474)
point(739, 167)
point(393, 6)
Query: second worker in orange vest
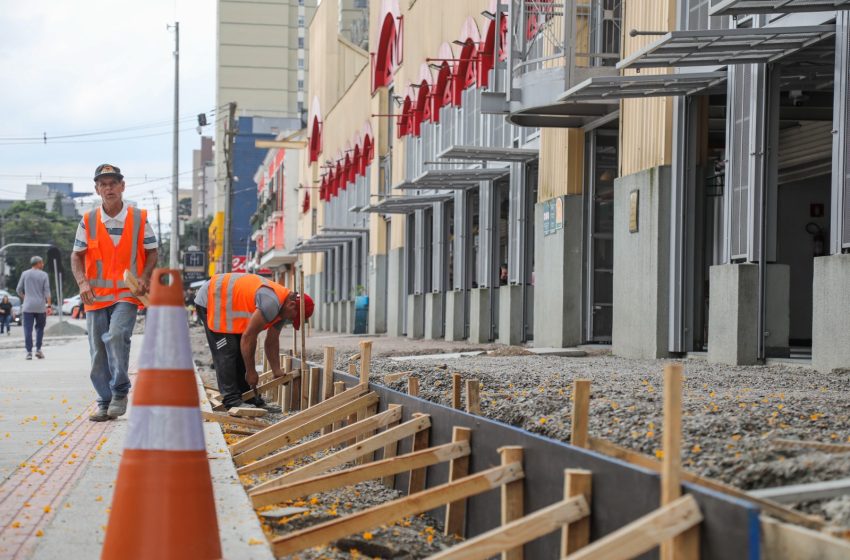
point(234, 308)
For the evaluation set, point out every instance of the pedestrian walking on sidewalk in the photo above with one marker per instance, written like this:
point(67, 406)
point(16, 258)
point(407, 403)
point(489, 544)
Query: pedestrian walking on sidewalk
point(111, 239)
point(34, 290)
point(234, 309)
point(6, 316)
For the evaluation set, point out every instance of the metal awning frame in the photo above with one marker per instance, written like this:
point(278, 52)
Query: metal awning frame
point(437, 178)
point(641, 86)
point(406, 204)
point(721, 47)
point(476, 153)
point(749, 7)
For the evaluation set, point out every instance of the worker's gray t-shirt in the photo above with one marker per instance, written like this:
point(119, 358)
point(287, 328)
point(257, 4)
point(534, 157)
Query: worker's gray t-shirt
point(35, 285)
point(265, 299)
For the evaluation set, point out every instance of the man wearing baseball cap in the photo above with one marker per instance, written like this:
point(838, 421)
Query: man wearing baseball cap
point(112, 239)
point(234, 308)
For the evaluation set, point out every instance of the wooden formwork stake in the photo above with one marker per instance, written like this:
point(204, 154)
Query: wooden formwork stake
point(512, 498)
point(416, 479)
point(352, 370)
point(315, 378)
point(581, 409)
point(685, 546)
point(286, 390)
point(339, 387)
point(236, 421)
point(576, 535)
point(328, 372)
point(390, 450)
point(413, 386)
point(456, 389)
point(473, 396)
point(365, 360)
point(458, 468)
point(369, 412)
point(305, 386)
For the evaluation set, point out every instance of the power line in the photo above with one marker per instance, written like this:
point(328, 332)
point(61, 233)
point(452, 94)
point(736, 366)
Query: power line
point(119, 139)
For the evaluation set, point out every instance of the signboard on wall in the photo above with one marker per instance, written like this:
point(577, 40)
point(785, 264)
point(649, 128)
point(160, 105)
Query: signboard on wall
point(553, 215)
point(194, 266)
point(239, 263)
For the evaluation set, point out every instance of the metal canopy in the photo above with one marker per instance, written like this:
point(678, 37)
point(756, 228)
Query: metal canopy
point(334, 229)
point(431, 187)
point(445, 178)
point(477, 153)
point(719, 47)
point(610, 88)
point(406, 204)
point(747, 7)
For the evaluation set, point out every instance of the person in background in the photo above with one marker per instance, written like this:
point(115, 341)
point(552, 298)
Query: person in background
point(6, 316)
point(34, 290)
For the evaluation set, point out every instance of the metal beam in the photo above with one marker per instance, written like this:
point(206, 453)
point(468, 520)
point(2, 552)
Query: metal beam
point(809, 492)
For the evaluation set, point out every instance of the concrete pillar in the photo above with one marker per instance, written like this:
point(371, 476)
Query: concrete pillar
point(395, 292)
point(335, 316)
point(377, 294)
point(510, 315)
point(349, 316)
point(415, 315)
point(343, 316)
point(831, 313)
point(479, 315)
point(733, 312)
point(434, 324)
point(455, 326)
point(642, 265)
point(557, 279)
point(327, 314)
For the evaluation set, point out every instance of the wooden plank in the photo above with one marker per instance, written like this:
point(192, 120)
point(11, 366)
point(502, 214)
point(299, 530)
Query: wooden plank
point(461, 489)
point(820, 446)
point(297, 419)
point(782, 540)
point(212, 391)
point(473, 396)
point(645, 533)
point(365, 360)
point(576, 535)
point(390, 450)
point(339, 388)
point(808, 492)
point(361, 415)
point(581, 409)
point(456, 384)
point(393, 377)
point(236, 421)
point(613, 450)
point(328, 373)
point(512, 498)
point(413, 386)
point(295, 394)
point(298, 432)
point(347, 477)
point(416, 480)
point(324, 442)
point(518, 532)
point(237, 431)
point(286, 393)
point(273, 384)
point(245, 412)
point(305, 386)
point(315, 378)
point(348, 454)
point(459, 468)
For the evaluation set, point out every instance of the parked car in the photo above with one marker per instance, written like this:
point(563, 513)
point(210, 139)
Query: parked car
point(16, 309)
point(73, 306)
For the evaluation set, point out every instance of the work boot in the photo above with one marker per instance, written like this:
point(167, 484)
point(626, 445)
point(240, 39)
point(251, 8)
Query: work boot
point(99, 416)
point(269, 407)
point(39, 354)
point(29, 355)
point(117, 407)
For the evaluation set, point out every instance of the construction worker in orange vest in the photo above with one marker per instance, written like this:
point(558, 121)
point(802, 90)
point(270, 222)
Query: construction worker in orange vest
point(110, 240)
point(234, 308)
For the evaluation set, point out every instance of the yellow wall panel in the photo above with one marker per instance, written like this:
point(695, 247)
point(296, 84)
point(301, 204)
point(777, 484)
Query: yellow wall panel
point(561, 169)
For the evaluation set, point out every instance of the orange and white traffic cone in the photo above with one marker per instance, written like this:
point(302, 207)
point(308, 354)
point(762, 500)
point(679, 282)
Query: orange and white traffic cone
point(163, 505)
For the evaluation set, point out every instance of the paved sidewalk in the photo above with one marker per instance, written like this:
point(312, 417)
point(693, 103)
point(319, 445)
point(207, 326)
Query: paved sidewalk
point(57, 469)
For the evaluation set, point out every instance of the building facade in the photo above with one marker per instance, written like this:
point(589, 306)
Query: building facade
point(668, 176)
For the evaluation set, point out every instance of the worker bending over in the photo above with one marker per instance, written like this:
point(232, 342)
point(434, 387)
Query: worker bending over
point(234, 308)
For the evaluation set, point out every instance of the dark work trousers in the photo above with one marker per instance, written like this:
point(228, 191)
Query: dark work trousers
point(39, 319)
point(228, 362)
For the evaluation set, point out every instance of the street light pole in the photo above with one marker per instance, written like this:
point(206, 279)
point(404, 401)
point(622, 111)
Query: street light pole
point(175, 233)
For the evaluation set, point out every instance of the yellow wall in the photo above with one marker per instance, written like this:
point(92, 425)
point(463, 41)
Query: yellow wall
point(561, 169)
point(646, 125)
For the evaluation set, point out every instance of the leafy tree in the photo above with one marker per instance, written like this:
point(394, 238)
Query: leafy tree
point(57, 203)
point(30, 222)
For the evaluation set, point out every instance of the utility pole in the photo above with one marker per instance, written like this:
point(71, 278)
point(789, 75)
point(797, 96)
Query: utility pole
point(174, 254)
point(155, 200)
point(230, 137)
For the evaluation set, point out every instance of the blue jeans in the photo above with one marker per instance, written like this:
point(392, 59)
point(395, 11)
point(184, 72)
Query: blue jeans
point(5, 323)
point(110, 330)
point(39, 319)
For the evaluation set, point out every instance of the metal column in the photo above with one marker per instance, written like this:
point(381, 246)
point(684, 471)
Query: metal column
point(839, 235)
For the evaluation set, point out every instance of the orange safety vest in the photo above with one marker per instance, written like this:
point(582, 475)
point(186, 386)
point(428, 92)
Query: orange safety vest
point(106, 263)
point(230, 301)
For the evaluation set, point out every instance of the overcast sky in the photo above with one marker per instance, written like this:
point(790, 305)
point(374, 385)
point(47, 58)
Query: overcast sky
point(72, 67)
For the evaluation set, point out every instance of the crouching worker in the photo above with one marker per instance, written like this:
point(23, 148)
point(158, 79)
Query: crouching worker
point(234, 308)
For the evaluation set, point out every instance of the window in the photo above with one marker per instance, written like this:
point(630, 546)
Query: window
point(300, 85)
point(300, 42)
point(300, 21)
point(300, 63)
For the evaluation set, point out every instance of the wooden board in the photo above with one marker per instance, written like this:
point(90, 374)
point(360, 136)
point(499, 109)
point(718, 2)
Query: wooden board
point(581, 408)
point(512, 499)
point(305, 429)
point(781, 540)
point(330, 531)
point(459, 468)
point(371, 471)
point(518, 532)
point(234, 420)
point(245, 412)
point(576, 534)
point(645, 533)
point(327, 441)
point(348, 454)
point(133, 283)
point(269, 385)
point(298, 419)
